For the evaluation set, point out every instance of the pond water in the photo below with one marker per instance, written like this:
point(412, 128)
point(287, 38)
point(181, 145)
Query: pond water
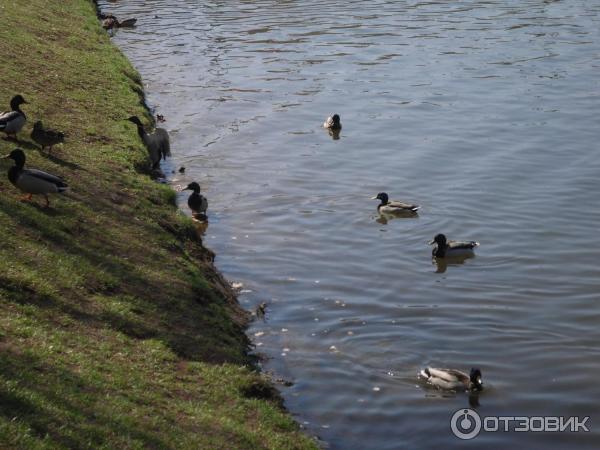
point(486, 113)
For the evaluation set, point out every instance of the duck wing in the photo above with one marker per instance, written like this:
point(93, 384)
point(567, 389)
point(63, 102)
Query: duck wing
point(163, 140)
point(197, 203)
point(446, 378)
point(45, 176)
point(6, 117)
point(35, 181)
point(402, 205)
point(462, 245)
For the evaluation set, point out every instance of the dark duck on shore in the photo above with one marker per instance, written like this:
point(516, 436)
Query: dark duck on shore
point(388, 206)
point(444, 248)
point(333, 123)
point(197, 202)
point(157, 143)
point(452, 379)
point(45, 137)
point(12, 121)
point(33, 181)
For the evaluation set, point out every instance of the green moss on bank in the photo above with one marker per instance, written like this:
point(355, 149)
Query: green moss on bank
point(115, 329)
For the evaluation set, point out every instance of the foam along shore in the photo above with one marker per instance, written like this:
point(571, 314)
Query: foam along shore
point(116, 330)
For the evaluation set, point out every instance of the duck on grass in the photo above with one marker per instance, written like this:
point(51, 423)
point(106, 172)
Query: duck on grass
point(11, 122)
point(33, 181)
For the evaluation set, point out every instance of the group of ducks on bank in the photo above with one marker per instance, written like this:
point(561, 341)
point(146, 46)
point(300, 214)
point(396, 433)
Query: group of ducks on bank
point(449, 379)
point(37, 182)
point(30, 181)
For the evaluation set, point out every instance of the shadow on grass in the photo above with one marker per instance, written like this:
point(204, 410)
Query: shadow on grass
point(32, 393)
point(61, 162)
point(190, 313)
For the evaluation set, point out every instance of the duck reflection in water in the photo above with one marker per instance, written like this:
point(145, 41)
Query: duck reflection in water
point(442, 264)
point(334, 133)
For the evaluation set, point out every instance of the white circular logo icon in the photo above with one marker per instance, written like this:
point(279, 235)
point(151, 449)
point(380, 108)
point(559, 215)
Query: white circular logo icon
point(465, 424)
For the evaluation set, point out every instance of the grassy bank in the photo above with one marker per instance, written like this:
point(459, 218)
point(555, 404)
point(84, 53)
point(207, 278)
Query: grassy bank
point(115, 329)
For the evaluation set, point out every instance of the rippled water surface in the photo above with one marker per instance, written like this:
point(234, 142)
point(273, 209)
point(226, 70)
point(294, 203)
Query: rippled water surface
point(487, 113)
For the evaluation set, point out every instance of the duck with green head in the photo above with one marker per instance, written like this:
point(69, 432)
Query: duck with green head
point(197, 202)
point(388, 206)
point(33, 181)
point(444, 248)
point(12, 121)
point(333, 122)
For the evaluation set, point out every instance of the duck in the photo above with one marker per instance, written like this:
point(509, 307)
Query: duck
point(197, 203)
point(46, 137)
point(109, 21)
point(12, 121)
point(33, 181)
point(445, 248)
point(157, 143)
point(333, 122)
point(452, 379)
point(388, 206)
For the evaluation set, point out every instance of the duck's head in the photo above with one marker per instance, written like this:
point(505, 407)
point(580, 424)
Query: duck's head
point(475, 377)
point(336, 120)
point(18, 156)
point(136, 120)
point(439, 239)
point(38, 125)
point(381, 196)
point(16, 101)
point(193, 186)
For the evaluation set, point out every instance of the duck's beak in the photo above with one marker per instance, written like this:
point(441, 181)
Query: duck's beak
point(5, 157)
point(374, 198)
point(431, 242)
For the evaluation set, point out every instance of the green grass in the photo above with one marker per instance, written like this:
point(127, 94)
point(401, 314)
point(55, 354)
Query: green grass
point(115, 329)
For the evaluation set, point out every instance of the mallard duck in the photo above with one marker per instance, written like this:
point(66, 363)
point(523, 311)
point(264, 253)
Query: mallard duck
point(33, 181)
point(445, 248)
point(157, 143)
point(333, 123)
point(453, 379)
point(46, 137)
point(197, 203)
point(388, 206)
point(12, 121)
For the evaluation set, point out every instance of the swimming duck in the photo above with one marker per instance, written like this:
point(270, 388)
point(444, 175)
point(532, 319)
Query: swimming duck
point(109, 21)
point(445, 248)
point(46, 137)
point(333, 123)
point(12, 121)
point(197, 203)
point(388, 206)
point(156, 143)
point(453, 379)
point(33, 181)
